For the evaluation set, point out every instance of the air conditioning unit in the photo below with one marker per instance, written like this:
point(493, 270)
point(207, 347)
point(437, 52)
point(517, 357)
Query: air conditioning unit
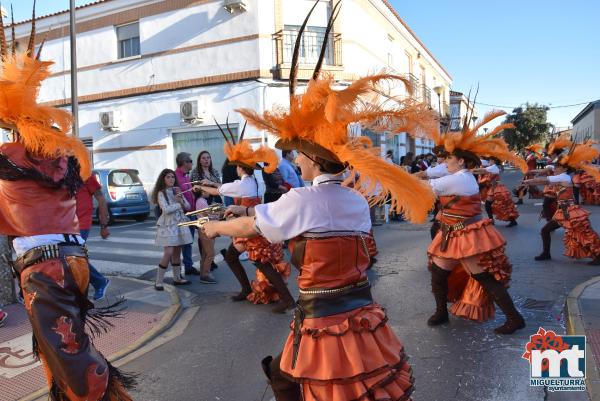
point(109, 120)
point(190, 112)
point(234, 5)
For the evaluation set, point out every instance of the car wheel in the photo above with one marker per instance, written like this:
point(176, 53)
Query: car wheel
point(141, 217)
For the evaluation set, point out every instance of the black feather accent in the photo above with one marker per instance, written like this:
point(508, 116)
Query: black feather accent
point(71, 181)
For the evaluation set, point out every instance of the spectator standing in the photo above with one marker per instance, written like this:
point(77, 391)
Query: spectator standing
point(407, 160)
point(169, 235)
point(85, 208)
point(184, 166)
point(207, 249)
point(288, 171)
point(389, 156)
point(274, 187)
point(3, 317)
point(229, 174)
point(204, 171)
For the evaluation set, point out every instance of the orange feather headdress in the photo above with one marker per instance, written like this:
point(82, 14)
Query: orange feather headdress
point(488, 145)
point(580, 157)
point(560, 143)
point(536, 148)
point(41, 129)
point(316, 123)
point(242, 154)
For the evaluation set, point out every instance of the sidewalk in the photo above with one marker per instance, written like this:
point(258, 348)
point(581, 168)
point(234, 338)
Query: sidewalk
point(148, 313)
point(583, 318)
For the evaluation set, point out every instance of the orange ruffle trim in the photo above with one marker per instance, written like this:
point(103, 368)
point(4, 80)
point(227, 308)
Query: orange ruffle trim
point(475, 239)
point(349, 356)
point(502, 204)
point(262, 251)
point(470, 299)
point(580, 240)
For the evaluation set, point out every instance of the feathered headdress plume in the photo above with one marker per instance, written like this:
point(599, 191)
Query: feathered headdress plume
point(536, 148)
point(241, 152)
point(42, 130)
point(488, 145)
point(317, 122)
point(580, 157)
point(560, 143)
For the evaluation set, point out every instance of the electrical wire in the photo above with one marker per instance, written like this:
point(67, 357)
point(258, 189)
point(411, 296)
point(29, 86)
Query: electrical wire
point(549, 107)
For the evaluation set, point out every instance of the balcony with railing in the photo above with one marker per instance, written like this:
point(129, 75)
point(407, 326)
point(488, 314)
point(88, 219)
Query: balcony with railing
point(426, 93)
point(414, 83)
point(310, 49)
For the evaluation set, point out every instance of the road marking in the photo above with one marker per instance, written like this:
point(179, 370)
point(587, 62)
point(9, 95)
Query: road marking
point(16, 357)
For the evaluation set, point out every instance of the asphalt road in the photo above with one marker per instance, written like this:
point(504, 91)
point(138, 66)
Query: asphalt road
point(218, 355)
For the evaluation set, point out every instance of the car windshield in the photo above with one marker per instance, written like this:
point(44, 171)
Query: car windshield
point(124, 178)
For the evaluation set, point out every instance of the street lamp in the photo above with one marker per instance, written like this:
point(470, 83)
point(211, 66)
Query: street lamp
point(439, 90)
point(74, 100)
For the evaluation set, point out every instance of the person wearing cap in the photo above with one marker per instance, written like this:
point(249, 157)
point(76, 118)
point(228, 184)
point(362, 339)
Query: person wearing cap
point(272, 270)
point(467, 251)
point(340, 346)
point(41, 169)
point(580, 240)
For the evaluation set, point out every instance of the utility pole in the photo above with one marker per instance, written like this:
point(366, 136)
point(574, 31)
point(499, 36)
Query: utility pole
point(74, 100)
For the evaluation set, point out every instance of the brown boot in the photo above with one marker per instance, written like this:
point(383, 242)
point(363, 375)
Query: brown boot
point(498, 293)
point(439, 288)
point(232, 258)
point(286, 300)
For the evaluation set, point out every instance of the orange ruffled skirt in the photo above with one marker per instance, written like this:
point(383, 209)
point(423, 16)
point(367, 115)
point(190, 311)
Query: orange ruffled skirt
point(349, 356)
point(468, 296)
point(580, 240)
point(262, 251)
point(503, 207)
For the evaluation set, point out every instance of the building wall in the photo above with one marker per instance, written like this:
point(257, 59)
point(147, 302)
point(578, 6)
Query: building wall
point(185, 44)
point(588, 126)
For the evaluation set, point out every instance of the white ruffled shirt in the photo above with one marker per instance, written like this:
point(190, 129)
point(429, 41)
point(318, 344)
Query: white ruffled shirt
point(461, 183)
point(493, 169)
point(246, 187)
point(562, 178)
point(326, 206)
point(441, 170)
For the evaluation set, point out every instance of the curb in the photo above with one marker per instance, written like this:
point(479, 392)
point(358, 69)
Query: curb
point(576, 326)
point(168, 318)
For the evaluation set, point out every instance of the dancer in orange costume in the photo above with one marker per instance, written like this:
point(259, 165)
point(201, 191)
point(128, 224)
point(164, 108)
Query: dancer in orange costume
point(580, 240)
point(272, 270)
point(498, 200)
point(533, 152)
point(467, 259)
point(40, 172)
point(340, 347)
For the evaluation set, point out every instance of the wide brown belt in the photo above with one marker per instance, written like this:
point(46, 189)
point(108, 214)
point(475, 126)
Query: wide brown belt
point(448, 228)
point(46, 252)
point(318, 302)
point(564, 206)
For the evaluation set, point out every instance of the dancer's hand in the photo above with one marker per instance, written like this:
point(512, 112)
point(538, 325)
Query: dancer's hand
point(235, 211)
point(210, 229)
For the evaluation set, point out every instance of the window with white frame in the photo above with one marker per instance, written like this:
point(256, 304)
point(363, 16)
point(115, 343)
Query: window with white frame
point(310, 46)
point(128, 39)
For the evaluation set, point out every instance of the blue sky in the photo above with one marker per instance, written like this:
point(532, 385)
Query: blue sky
point(519, 51)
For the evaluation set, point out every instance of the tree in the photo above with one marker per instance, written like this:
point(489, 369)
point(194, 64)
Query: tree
point(530, 126)
point(6, 279)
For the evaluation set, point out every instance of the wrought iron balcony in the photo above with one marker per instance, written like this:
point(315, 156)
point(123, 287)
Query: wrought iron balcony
point(310, 46)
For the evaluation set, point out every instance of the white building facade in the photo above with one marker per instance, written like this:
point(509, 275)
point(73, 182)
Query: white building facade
point(586, 124)
point(142, 64)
